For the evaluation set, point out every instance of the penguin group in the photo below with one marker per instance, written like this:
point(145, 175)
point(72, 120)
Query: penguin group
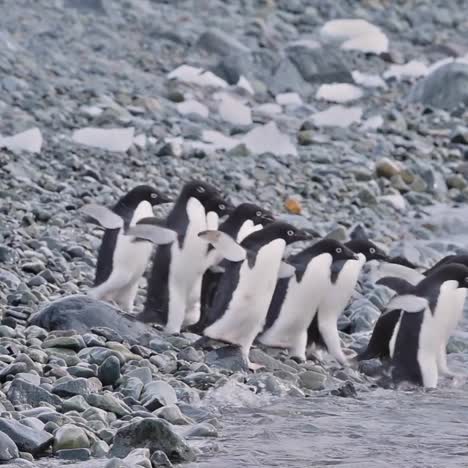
point(222, 271)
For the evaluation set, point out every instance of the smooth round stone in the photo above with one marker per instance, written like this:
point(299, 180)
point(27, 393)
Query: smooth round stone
point(70, 437)
point(109, 371)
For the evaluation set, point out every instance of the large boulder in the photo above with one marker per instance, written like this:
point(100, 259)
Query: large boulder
point(26, 439)
point(445, 88)
point(82, 314)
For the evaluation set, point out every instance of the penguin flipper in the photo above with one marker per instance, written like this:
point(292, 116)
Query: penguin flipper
point(153, 221)
point(407, 303)
point(103, 215)
point(399, 285)
point(400, 271)
point(286, 270)
point(156, 234)
point(224, 244)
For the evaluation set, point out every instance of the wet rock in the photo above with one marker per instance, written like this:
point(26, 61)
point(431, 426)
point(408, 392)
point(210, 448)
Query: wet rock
point(227, 357)
point(445, 88)
point(22, 392)
point(318, 64)
point(25, 438)
point(75, 343)
point(132, 387)
point(71, 387)
point(345, 391)
point(8, 449)
point(172, 414)
point(159, 459)
point(109, 371)
point(155, 434)
point(82, 313)
point(108, 402)
point(70, 437)
point(76, 454)
point(76, 403)
point(157, 394)
point(202, 430)
point(86, 6)
point(371, 367)
point(271, 364)
point(219, 42)
point(312, 380)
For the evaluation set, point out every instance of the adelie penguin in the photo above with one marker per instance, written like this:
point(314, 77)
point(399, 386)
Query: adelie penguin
point(323, 330)
point(244, 219)
point(296, 299)
point(126, 246)
point(241, 301)
point(177, 267)
point(414, 329)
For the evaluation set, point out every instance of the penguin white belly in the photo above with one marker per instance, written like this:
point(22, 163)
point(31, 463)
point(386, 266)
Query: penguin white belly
point(299, 307)
point(429, 336)
point(247, 228)
point(187, 266)
point(247, 310)
point(129, 262)
point(212, 220)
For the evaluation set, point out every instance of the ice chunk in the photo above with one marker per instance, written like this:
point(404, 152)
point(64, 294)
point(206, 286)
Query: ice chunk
point(193, 107)
point(198, 76)
point(269, 139)
point(413, 69)
point(29, 140)
point(233, 111)
point(110, 139)
point(368, 81)
point(337, 116)
point(339, 92)
point(289, 99)
point(373, 123)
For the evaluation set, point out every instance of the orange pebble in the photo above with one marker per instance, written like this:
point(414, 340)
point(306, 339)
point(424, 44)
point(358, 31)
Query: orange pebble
point(293, 206)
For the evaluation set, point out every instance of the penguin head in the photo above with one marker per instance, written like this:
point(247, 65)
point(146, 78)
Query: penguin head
point(207, 195)
point(367, 248)
point(336, 249)
point(257, 215)
point(144, 193)
point(281, 230)
point(452, 272)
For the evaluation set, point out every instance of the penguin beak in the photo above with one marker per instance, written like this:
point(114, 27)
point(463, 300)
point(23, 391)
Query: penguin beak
point(162, 199)
point(268, 218)
point(304, 235)
point(312, 233)
point(382, 256)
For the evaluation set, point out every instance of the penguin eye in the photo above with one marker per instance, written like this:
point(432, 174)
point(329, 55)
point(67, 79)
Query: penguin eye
point(258, 213)
point(154, 195)
point(338, 250)
point(200, 189)
point(222, 207)
point(290, 232)
point(372, 250)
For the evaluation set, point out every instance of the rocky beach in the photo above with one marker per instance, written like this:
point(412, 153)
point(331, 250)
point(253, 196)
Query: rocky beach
point(345, 127)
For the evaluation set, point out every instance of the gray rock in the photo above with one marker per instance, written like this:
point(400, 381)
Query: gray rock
point(9, 279)
point(445, 88)
point(312, 380)
point(142, 373)
point(157, 394)
point(132, 387)
point(227, 357)
point(139, 457)
point(86, 6)
point(26, 439)
point(77, 454)
point(75, 343)
point(155, 434)
point(219, 42)
point(70, 437)
point(22, 392)
point(159, 459)
point(202, 430)
point(109, 371)
point(8, 449)
point(76, 403)
point(82, 313)
point(108, 402)
point(172, 414)
point(271, 364)
point(319, 64)
point(72, 387)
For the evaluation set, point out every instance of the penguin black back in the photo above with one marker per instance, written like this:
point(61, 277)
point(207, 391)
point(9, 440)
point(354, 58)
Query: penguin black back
point(125, 208)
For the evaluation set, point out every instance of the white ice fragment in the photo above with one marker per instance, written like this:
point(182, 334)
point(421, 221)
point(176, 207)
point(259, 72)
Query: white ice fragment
point(110, 139)
point(193, 107)
point(29, 140)
point(269, 108)
point(289, 99)
point(412, 69)
point(339, 92)
point(368, 81)
point(91, 111)
point(245, 84)
point(397, 201)
point(140, 140)
point(198, 76)
point(218, 140)
point(356, 34)
point(373, 123)
point(269, 139)
point(337, 116)
point(233, 111)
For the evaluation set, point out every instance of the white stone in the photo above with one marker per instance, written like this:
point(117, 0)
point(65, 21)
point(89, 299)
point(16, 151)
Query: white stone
point(373, 123)
point(339, 92)
point(234, 111)
point(289, 99)
point(245, 84)
point(198, 76)
point(29, 140)
point(368, 81)
point(110, 139)
point(269, 139)
point(413, 69)
point(445, 61)
point(397, 201)
point(337, 116)
point(218, 140)
point(270, 108)
point(140, 141)
point(91, 111)
point(193, 107)
point(356, 34)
